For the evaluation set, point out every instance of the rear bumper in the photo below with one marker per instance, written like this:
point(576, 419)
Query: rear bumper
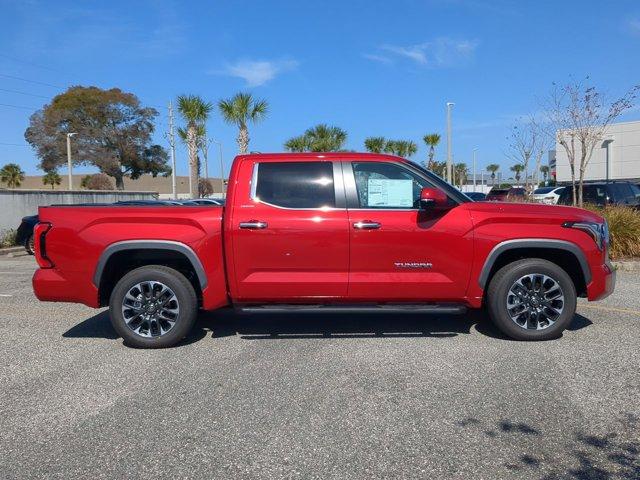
point(603, 282)
point(50, 286)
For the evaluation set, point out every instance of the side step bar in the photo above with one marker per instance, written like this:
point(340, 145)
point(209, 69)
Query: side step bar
point(445, 308)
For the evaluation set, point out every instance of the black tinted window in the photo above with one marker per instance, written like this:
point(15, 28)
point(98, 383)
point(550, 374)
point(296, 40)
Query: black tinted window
point(621, 191)
point(596, 194)
point(296, 184)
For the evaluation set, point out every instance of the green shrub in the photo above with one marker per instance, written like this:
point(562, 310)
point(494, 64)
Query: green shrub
point(624, 229)
point(8, 238)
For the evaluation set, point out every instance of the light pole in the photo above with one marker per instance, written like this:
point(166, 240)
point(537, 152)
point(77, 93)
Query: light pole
point(221, 165)
point(474, 168)
point(449, 163)
point(608, 141)
point(70, 168)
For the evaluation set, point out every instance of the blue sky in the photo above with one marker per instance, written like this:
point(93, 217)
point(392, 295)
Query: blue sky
point(370, 67)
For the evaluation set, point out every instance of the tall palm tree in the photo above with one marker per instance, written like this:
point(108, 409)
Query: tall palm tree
point(517, 170)
point(12, 175)
point(492, 168)
point(375, 144)
point(195, 112)
point(297, 144)
point(239, 110)
point(432, 140)
point(52, 178)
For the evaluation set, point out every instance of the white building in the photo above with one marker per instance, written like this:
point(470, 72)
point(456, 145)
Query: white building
point(621, 144)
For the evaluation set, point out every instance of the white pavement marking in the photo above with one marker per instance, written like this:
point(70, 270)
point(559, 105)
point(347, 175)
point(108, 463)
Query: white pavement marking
point(5, 295)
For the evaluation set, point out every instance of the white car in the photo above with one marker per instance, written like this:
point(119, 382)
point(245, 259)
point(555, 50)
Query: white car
point(548, 195)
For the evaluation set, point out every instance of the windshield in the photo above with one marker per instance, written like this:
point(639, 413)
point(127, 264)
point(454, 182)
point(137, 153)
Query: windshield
point(449, 189)
point(539, 191)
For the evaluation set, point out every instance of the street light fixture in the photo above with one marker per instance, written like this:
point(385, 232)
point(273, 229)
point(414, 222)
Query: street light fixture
point(70, 168)
point(221, 165)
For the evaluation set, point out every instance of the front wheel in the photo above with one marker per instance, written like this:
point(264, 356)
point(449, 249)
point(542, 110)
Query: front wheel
point(531, 299)
point(153, 307)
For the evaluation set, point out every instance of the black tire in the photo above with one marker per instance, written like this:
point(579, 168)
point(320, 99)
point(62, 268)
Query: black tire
point(28, 245)
point(505, 278)
point(186, 300)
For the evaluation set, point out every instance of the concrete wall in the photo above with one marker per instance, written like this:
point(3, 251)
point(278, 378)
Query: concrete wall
point(15, 204)
point(622, 140)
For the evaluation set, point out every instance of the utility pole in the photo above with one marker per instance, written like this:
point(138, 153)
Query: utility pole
point(172, 144)
point(449, 161)
point(474, 168)
point(205, 154)
point(221, 165)
point(70, 167)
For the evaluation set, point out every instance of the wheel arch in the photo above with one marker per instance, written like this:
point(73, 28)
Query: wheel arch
point(565, 254)
point(121, 257)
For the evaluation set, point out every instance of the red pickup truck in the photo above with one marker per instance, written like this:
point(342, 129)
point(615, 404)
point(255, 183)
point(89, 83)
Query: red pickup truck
point(324, 232)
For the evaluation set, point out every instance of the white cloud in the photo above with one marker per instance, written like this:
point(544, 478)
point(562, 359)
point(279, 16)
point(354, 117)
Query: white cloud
point(439, 53)
point(377, 58)
point(258, 72)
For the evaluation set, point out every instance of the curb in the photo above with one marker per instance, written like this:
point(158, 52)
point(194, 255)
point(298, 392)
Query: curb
point(627, 265)
point(10, 250)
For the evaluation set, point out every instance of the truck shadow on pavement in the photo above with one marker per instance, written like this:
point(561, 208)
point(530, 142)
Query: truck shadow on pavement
point(268, 326)
point(528, 452)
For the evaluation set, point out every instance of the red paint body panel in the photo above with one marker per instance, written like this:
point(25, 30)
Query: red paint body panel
point(314, 255)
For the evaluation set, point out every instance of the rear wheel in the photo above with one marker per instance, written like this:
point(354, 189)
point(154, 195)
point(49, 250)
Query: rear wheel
point(153, 307)
point(29, 245)
point(531, 299)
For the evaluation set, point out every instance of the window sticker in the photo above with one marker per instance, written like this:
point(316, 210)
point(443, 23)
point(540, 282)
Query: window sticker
point(389, 193)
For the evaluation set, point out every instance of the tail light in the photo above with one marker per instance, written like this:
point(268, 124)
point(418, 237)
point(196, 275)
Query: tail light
point(40, 245)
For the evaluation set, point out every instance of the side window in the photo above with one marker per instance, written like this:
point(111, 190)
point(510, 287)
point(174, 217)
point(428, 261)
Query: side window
point(387, 185)
point(594, 194)
point(621, 191)
point(295, 184)
point(636, 191)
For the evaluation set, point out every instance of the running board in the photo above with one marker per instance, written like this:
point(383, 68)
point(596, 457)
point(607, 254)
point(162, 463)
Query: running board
point(446, 309)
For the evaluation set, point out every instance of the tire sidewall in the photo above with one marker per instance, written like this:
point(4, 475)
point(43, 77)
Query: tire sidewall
point(507, 276)
point(181, 288)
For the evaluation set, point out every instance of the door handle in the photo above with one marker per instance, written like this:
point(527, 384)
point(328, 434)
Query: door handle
point(367, 225)
point(253, 225)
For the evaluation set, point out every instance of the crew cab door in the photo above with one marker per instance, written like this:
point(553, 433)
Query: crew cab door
point(399, 252)
point(290, 232)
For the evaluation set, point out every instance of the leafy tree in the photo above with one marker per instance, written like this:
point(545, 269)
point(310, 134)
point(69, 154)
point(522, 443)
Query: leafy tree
point(375, 144)
point(544, 169)
point(321, 138)
point(432, 140)
point(205, 188)
point(12, 175)
point(52, 178)
point(113, 133)
point(492, 168)
point(97, 181)
point(460, 173)
point(195, 113)
point(241, 109)
point(517, 170)
point(401, 148)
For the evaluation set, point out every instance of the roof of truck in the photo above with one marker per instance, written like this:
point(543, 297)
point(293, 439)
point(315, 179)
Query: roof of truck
point(311, 156)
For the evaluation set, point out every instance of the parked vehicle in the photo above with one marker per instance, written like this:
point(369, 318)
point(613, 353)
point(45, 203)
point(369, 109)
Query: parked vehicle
point(24, 234)
point(148, 202)
point(204, 201)
point(324, 232)
point(601, 194)
point(513, 194)
point(476, 196)
point(548, 195)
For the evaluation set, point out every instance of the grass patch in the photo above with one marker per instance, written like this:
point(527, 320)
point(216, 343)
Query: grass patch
point(624, 229)
point(8, 238)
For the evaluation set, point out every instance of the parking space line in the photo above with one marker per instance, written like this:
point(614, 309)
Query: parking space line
point(610, 309)
point(5, 295)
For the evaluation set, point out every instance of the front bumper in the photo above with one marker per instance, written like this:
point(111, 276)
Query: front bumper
point(603, 282)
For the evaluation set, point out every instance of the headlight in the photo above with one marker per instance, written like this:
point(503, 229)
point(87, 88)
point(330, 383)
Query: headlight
point(598, 231)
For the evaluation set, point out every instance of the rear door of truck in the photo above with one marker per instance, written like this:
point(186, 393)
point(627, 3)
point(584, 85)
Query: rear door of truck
point(289, 231)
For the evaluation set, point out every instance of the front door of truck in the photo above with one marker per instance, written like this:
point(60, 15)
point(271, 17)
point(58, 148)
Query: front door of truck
point(290, 232)
point(400, 253)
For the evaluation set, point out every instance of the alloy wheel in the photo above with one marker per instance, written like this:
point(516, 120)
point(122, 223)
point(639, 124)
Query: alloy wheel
point(535, 301)
point(150, 309)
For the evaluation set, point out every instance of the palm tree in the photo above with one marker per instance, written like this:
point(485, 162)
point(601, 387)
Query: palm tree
point(239, 110)
point(375, 144)
point(297, 144)
point(12, 175)
point(432, 140)
point(52, 178)
point(195, 112)
point(544, 169)
point(460, 170)
point(492, 168)
point(517, 170)
point(401, 148)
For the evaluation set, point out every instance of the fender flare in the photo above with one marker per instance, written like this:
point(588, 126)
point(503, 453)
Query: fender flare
point(150, 245)
point(550, 244)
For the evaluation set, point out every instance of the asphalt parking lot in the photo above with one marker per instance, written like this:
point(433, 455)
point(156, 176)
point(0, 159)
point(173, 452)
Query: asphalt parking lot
point(311, 396)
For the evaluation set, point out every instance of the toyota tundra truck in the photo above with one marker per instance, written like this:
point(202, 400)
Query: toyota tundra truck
point(325, 232)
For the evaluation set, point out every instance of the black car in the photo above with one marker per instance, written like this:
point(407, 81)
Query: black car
point(601, 194)
point(24, 235)
point(476, 196)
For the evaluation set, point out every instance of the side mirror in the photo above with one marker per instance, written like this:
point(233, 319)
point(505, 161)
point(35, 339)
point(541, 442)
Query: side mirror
point(433, 198)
